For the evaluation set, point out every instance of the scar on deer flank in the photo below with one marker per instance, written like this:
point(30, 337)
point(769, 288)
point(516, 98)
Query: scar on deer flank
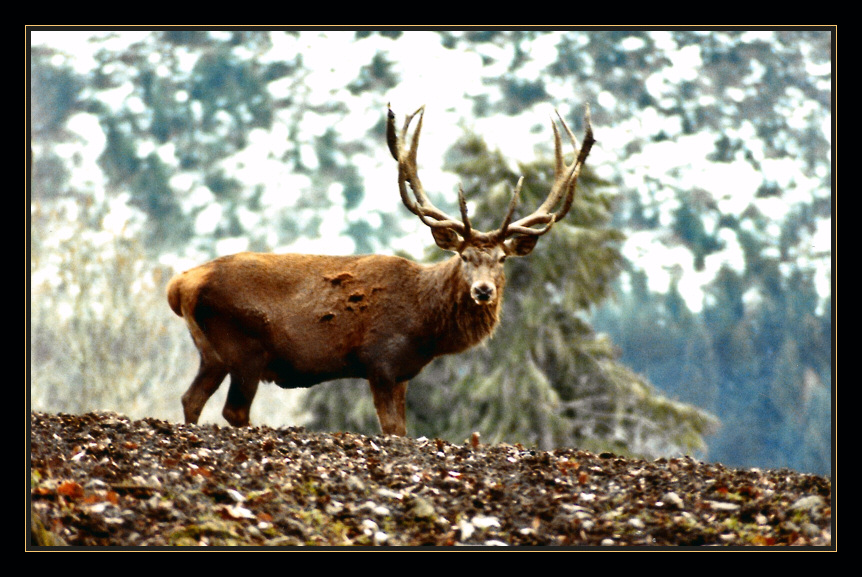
point(297, 320)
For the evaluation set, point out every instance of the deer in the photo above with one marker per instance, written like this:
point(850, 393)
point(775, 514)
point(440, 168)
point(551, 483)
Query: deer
point(298, 320)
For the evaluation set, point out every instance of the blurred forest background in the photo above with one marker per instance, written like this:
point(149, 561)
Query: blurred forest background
point(684, 306)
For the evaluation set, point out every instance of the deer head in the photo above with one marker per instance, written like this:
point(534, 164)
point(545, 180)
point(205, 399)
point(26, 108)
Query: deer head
point(483, 253)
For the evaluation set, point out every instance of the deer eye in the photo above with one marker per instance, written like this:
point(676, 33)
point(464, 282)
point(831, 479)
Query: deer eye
point(503, 258)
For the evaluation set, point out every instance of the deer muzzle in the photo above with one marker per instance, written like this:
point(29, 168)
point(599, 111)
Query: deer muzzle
point(483, 292)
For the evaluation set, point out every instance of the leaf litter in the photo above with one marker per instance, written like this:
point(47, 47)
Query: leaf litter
point(104, 480)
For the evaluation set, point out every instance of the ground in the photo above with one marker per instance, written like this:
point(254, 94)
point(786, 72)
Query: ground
point(102, 479)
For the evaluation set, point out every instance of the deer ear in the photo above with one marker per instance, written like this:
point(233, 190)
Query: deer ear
point(446, 238)
point(521, 245)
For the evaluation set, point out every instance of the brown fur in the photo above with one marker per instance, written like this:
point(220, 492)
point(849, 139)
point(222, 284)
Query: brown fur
point(298, 320)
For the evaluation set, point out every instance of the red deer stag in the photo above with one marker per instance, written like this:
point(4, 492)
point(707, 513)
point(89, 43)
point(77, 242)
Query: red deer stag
point(298, 320)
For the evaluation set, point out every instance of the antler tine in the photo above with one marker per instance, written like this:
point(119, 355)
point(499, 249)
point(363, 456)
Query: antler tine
point(414, 144)
point(512, 204)
point(408, 173)
point(579, 163)
point(391, 135)
point(565, 182)
point(559, 165)
point(462, 204)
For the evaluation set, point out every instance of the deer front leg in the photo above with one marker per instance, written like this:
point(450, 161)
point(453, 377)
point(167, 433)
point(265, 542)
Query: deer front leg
point(390, 400)
point(237, 406)
point(243, 386)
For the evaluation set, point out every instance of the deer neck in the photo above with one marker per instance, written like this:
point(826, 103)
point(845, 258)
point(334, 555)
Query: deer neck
point(458, 322)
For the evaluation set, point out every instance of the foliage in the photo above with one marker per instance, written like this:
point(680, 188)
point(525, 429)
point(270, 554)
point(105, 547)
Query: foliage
point(101, 337)
point(59, 90)
point(758, 356)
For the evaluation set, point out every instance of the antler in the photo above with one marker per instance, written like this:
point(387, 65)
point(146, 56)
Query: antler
point(565, 182)
point(408, 173)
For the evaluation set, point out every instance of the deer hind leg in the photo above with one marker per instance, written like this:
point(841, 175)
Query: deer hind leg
point(210, 375)
point(390, 400)
point(240, 355)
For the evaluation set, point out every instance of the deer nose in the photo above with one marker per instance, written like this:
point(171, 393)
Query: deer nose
point(483, 292)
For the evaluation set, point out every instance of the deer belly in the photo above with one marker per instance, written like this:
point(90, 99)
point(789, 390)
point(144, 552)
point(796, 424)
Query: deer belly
point(310, 362)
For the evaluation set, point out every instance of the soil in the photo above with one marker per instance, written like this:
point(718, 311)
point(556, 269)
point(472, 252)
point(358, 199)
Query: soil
point(104, 480)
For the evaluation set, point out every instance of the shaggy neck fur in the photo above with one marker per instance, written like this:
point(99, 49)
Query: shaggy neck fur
point(459, 322)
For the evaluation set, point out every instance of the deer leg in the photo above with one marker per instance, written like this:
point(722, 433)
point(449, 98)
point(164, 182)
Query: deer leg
point(210, 375)
point(390, 400)
point(243, 388)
